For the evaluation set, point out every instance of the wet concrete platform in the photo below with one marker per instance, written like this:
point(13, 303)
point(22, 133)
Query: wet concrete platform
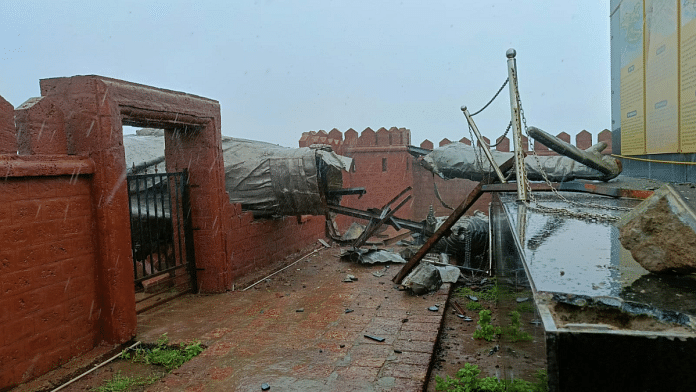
point(294, 332)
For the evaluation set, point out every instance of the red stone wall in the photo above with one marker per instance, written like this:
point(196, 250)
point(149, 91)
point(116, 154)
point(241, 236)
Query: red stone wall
point(48, 303)
point(256, 243)
point(66, 275)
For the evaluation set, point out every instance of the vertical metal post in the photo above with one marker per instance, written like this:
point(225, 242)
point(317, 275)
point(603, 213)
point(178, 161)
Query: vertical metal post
point(520, 171)
point(483, 144)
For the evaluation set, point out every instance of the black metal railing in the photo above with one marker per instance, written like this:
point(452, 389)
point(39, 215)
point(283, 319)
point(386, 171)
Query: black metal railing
point(161, 231)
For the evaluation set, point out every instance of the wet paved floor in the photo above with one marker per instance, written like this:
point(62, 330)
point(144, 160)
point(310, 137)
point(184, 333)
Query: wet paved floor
point(294, 333)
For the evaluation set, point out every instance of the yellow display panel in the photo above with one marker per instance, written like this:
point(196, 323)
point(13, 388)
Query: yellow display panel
point(688, 77)
point(632, 78)
point(661, 77)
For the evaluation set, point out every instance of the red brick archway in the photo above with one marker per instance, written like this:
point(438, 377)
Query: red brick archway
point(95, 109)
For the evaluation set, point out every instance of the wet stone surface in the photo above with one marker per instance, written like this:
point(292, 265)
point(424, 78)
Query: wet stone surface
point(585, 258)
point(258, 336)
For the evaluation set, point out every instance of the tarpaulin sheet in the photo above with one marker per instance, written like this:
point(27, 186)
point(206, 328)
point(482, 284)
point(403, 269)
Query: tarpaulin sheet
point(265, 178)
point(459, 160)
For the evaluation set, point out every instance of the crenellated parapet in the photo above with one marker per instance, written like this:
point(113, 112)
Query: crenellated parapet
point(583, 140)
point(393, 137)
point(368, 138)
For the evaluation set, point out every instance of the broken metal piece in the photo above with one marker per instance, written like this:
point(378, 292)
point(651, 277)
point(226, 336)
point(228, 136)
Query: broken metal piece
point(386, 214)
point(347, 191)
point(459, 308)
point(375, 338)
point(368, 215)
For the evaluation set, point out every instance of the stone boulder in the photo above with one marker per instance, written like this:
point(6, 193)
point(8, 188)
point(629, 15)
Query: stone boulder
point(660, 232)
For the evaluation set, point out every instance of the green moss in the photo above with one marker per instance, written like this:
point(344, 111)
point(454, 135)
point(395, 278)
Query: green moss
point(162, 355)
point(120, 382)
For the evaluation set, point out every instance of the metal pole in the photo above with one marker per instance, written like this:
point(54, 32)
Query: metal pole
point(520, 171)
point(484, 146)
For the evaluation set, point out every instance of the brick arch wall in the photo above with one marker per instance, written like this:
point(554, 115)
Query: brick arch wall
point(66, 274)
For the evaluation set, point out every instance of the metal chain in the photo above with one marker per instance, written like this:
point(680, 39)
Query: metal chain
point(479, 160)
point(500, 139)
point(467, 249)
point(553, 210)
point(494, 97)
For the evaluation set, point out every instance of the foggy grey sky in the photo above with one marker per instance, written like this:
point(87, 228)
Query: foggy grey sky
point(282, 68)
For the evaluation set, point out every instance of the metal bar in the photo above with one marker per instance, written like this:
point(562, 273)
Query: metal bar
point(484, 146)
point(130, 214)
point(159, 219)
point(384, 217)
point(536, 187)
point(140, 218)
point(347, 191)
point(366, 215)
point(170, 259)
point(520, 171)
point(149, 221)
point(408, 188)
point(447, 224)
point(179, 222)
point(158, 273)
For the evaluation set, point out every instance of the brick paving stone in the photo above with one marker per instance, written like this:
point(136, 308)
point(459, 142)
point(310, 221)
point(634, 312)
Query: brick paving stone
point(417, 346)
point(406, 385)
point(257, 337)
point(360, 373)
point(404, 370)
point(421, 327)
point(418, 335)
point(412, 358)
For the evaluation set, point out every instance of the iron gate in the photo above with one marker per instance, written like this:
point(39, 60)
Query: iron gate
point(161, 230)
